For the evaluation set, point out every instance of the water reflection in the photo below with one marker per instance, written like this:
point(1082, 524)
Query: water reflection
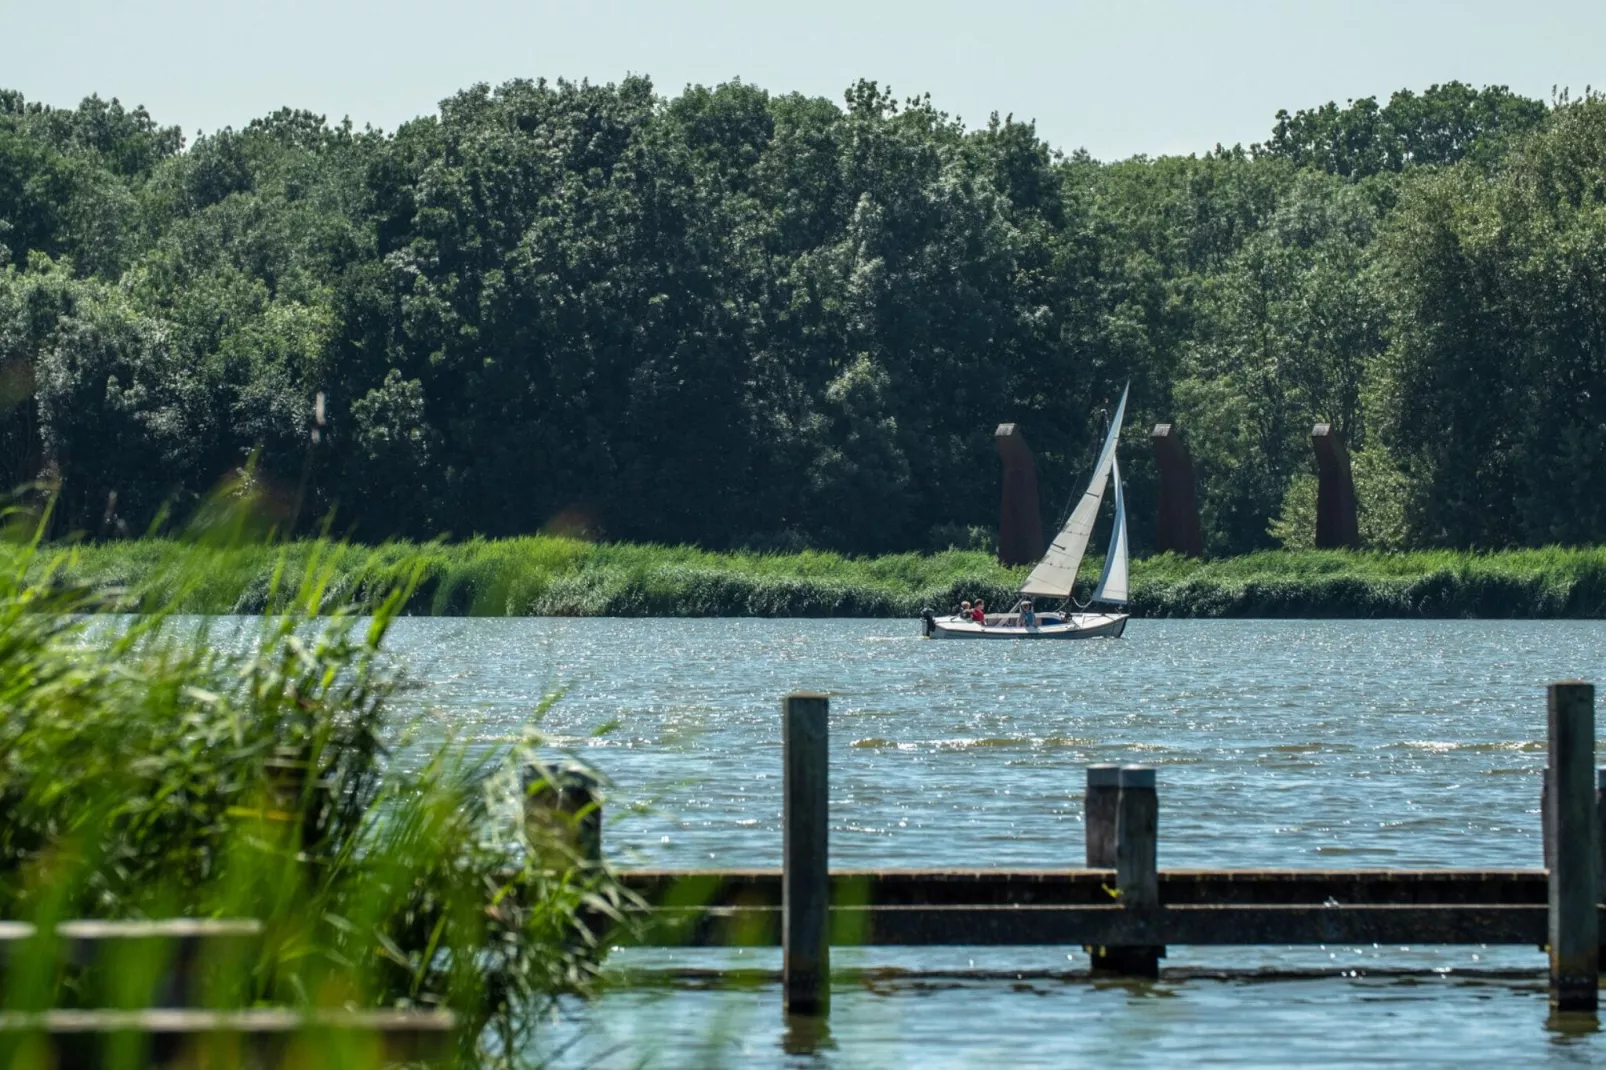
point(806, 1034)
point(1568, 1028)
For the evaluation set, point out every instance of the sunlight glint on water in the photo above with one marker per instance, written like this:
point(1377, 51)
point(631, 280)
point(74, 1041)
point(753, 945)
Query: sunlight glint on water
point(1280, 743)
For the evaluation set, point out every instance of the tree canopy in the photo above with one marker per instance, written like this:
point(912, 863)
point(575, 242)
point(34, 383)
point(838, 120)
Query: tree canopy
point(736, 318)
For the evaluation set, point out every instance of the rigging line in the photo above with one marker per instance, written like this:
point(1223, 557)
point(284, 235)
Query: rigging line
point(1104, 410)
point(1070, 502)
point(1115, 478)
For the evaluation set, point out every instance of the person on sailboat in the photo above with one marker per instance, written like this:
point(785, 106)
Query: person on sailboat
point(979, 614)
point(1028, 619)
point(964, 609)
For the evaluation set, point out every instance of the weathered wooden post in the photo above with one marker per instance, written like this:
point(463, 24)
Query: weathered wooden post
point(1137, 875)
point(1574, 850)
point(1600, 818)
point(563, 812)
point(1337, 526)
point(1098, 814)
point(805, 858)
point(1177, 524)
point(1544, 813)
point(1020, 523)
point(1099, 810)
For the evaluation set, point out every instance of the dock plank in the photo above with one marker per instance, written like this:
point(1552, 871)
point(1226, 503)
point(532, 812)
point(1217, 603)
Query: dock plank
point(1092, 887)
point(1037, 925)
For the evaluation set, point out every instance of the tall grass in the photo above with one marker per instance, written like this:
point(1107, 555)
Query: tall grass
point(1549, 582)
point(545, 576)
point(155, 766)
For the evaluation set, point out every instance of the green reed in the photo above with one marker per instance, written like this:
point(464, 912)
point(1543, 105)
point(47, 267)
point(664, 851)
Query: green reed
point(163, 766)
point(543, 575)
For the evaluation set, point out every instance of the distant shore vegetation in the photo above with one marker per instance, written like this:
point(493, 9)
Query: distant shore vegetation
point(554, 576)
point(743, 319)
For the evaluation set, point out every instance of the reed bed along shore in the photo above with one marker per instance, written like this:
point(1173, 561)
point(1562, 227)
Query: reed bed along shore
point(549, 576)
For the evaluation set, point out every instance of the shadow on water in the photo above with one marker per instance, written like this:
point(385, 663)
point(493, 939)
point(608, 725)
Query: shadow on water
point(1136, 989)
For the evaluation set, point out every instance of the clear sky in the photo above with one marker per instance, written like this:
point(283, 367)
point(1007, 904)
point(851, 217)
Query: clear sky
point(1118, 77)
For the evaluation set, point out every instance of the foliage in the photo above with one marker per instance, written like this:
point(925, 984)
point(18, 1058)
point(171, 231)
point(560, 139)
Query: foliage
point(1380, 493)
point(154, 767)
point(1491, 394)
point(1548, 582)
point(744, 320)
point(1443, 125)
point(544, 575)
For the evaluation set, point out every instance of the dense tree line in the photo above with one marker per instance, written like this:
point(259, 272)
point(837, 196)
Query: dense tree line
point(736, 318)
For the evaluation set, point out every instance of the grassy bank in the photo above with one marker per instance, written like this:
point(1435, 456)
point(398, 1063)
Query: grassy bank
point(543, 576)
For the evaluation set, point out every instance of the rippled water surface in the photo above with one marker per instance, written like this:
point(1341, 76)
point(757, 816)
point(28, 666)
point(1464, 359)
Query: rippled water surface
point(1279, 743)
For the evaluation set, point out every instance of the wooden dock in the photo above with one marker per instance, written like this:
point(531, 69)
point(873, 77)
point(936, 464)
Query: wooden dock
point(1121, 907)
point(177, 1027)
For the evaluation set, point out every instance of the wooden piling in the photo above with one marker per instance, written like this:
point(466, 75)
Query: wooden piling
point(1600, 818)
point(1137, 875)
point(1098, 814)
point(563, 812)
point(1574, 877)
point(1544, 814)
point(1136, 834)
point(1099, 811)
point(805, 874)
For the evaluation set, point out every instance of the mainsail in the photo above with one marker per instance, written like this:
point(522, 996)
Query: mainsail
point(1112, 585)
point(1055, 574)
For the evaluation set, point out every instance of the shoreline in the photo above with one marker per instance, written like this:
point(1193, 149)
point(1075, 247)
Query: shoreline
point(559, 577)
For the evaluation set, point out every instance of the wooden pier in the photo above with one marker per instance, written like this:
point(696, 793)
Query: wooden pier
point(177, 1026)
point(1121, 907)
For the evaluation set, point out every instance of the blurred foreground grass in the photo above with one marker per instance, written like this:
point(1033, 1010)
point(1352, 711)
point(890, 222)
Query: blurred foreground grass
point(144, 764)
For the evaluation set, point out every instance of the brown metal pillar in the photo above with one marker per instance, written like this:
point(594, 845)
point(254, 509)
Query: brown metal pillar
point(1177, 529)
point(1020, 525)
point(1336, 525)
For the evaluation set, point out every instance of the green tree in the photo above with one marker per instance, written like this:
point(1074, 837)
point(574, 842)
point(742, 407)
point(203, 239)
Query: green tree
point(1492, 397)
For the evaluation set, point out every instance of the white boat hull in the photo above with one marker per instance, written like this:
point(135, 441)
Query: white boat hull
point(1076, 626)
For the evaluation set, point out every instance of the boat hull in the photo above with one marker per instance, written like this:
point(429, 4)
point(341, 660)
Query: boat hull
point(1078, 626)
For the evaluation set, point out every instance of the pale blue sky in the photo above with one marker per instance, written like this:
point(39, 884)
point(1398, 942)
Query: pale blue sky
point(1118, 78)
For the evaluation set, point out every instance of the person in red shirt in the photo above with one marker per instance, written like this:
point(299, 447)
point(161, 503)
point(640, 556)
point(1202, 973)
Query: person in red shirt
point(979, 614)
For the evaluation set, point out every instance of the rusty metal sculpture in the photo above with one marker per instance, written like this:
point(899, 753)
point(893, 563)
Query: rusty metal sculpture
point(1020, 525)
point(1177, 529)
point(1336, 524)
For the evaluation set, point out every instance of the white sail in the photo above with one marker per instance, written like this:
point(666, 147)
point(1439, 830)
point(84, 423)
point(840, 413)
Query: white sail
point(1055, 574)
point(1112, 585)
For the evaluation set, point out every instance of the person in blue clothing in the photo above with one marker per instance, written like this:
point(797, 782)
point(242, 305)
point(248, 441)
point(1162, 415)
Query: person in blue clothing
point(1028, 619)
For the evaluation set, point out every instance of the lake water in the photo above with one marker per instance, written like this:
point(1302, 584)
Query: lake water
point(1279, 743)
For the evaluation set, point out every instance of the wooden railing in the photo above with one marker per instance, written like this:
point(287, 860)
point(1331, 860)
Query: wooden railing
point(174, 1029)
point(1121, 907)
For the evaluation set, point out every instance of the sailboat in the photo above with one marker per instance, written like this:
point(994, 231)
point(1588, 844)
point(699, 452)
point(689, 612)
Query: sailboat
point(1054, 577)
